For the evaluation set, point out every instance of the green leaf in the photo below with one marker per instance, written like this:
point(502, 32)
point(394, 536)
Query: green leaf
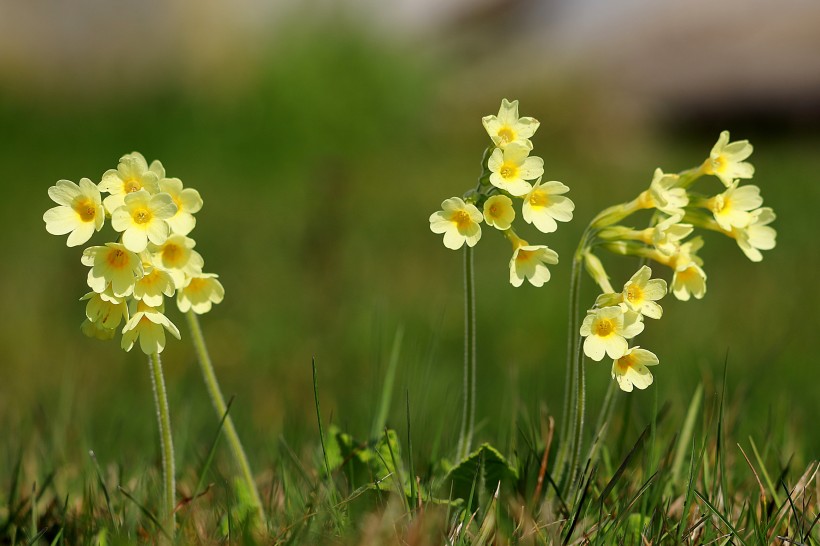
point(485, 467)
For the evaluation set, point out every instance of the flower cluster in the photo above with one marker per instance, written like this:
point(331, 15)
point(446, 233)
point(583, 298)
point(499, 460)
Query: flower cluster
point(736, 212)
point(618, 317)
point(152, 259)
point(509, 172)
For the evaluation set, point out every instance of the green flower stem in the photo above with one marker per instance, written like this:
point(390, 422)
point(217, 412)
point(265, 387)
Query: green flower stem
point(166, 442)
point(219, 405)
point(468, 411)
point(571, 378)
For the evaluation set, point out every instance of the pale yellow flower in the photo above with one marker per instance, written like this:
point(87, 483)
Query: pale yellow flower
point(507, 127)
point(149, 325)
point(153, 284)
point(113, 265)
point(731, 208)
point(200, 293)
point(530, 262)
point(667, 234)
point(188, 203)
point(641, 293)
point(132, 174)
point(544, 204)
point(79, 213)
point(726, 160)
point(665, 196)
point(596, 270)
point(106, 312)
point(607, 329)
point(178, 257)
point(458, 221)
point(142, 218)
point(511, 168)
point(631, 369)
point(689, 278)
point(758, 235)
point(97, 331)
point(499, 212)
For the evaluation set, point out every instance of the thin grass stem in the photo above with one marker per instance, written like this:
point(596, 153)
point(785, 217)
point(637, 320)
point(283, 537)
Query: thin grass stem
point(166, 442)
point(221, 408)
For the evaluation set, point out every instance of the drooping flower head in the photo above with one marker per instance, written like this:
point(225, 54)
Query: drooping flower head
point(689, 278)
point(148, 324)
point(79, 211)
point(667, 234)
point(153, 285)
point(512, 167)
point(607, 329)
point(530, 262)
point(142, 218)
point(132, 174)
point(641, 293)
point(545, 204)
point(499, 212)
point(113, 265)
point(200, 293)
point(106, 312)
point(458, 221)
point(726, 160)
point(631, 369)
point(507, 127)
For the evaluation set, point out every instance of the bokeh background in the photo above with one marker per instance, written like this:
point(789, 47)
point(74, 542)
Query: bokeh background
point(321, 136)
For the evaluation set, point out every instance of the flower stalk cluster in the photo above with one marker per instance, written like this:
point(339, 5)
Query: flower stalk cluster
point(509, 173)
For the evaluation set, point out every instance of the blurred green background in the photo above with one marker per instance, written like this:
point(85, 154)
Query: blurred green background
point(321, 138)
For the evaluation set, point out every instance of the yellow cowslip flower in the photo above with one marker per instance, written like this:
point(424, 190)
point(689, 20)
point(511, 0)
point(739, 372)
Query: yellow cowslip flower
point(106, 312)
point(631, 369)
point(726, 160)
point(530, 262)
point(97, 331)
point(142, 218)
point(499, 212)
point(177, 256)
point(689, 278)
point(544, 204)
point(756, 236)
point(153, 284)
point(79, 213)
point(113, 265)
point(512, 167)
point(507, 127)
point(200, 293)
point(147, 324)
point(607, 329)
point(731, 208)
point(458, 221)
point(188, 202)
point(667, 234)
point(132, 174)
point(640, 293)
point(664, 195)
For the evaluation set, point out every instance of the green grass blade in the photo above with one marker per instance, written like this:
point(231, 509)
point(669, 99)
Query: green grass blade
point(101, 482)
point(212, 451)
point(146, 512)
point(387, 388)
point(686, 433)
point(722, 517)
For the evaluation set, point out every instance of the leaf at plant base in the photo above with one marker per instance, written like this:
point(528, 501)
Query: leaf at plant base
point(494, 470)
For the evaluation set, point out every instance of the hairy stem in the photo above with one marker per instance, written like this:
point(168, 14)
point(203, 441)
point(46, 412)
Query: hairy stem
point(219, 405)
point(166, 442)
point(470, 367)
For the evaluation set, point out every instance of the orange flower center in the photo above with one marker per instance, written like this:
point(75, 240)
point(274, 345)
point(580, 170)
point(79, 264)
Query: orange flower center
point(539, 199)
point(508, 170)
point(131, 185)
point(462, 219)
point(142, 216)
point(86, 209)
point(634, 293)
point(604, 328)
point(117, 258)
